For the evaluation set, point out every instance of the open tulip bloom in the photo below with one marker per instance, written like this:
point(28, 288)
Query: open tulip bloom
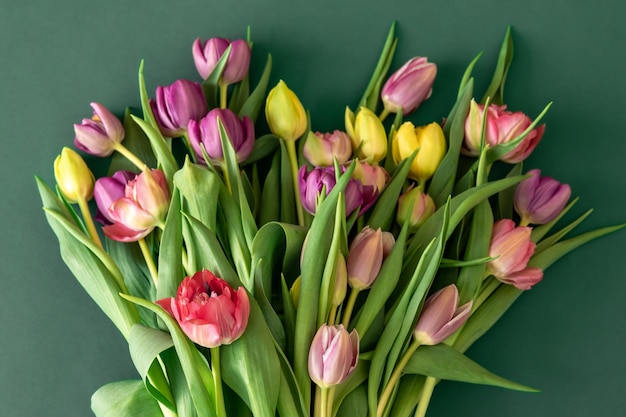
point(200, 259)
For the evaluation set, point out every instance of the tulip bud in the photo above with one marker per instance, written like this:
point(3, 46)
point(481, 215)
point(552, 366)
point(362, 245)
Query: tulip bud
point(284, 113)
point(295, 292)
point(74, 178)
point(207, 132)
point(99, 135)
point(441, 316)
point(512, 248)
point(176, 105)
point(388, 243)
point(539, 200)
point(365, 258)
point(431, 143)
point(333, 356)
point(341, 281)
point(207, 55)
point(422, 206)
point(312, 183)
point(368, 135)
point(372, 175)
point(209, 311)
point(409, 86)
point(321, 149)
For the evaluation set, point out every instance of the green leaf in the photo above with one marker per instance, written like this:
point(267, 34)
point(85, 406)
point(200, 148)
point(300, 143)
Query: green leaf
point(171, 271)
point(552, 239)
point(271, 197)
point(467, 75)
point(252, 106)
point(136, 141)
point(263, 147)
point(199, 189)
point(271, 318)
point(372, 91)
point(124, 399)
point(211, 85)
point(355, 404)
point(159, 147)
point(289, 398)
point(505, 197)
point(407, 395)
point(287, 193)
point(145, 99)
point(496, 88)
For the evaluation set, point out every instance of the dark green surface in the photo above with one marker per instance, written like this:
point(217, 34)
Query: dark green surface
point(565, 337)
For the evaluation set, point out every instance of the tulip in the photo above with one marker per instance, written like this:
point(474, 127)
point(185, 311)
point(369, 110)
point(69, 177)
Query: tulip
point(512, 248)
point(368, 135)
point(109, 189)
point(372, 175)
point(207, 132)
point(99, 135)
point(431, 143)
point(284, 113)
point(139, 210)
point(312, 183)
point(209, 311)
point(441, 316)
point(207, 55)
point(365, 258)
point(341, 281)
point(502, 126)
point(409, 86)
point(333, 355)
point(74, 178)
point(388, 243)
point(416, 206)
point(176, 105)
point(322, 149)
point(539, 200)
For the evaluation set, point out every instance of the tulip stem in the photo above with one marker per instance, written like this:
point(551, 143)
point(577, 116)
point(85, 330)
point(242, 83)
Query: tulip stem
point(149, 261)
point(383, 115)
point(293, 161)
point(427, 392)
point(91, 227)
point(486, 291)
point(324, 402)
point(395, 377)
point(190, 150)
point(223, 94)
point(217, 380)
point(349, 307)
point(131, 157)
point(226, 178)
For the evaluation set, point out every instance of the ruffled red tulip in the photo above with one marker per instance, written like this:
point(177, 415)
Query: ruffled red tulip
point(333, 356)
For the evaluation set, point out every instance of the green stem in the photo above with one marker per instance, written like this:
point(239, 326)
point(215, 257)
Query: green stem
point(217, 380)
point(149, 261)
point(427, 392)
point(223, 94)
point(383, 115)
point(293, 161)
point(131, 157)
point(395, 377)
point(324, 403)
point(487, 290)
point(349, 307)
point(91, 227)
point(226, 178)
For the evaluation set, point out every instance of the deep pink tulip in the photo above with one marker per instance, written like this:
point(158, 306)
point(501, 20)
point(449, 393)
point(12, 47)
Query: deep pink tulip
point(206, 132)
point(99, 135)
point(365, 258)
point(322, 149)
point(513, 248)
point(441, 316)
point(409, 86)
point(208, 310)
point(176, 105)
point(207, 55)
point(333, 356)
point(539, 200)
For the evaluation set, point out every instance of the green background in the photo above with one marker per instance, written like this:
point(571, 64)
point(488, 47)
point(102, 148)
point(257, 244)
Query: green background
point(565, 337)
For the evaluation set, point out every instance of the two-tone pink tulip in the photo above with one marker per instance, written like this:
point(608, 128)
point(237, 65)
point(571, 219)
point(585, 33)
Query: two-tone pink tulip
point(176, 105)
point(333, 355)
point(99, 135)
point(409, 86)
point(365, 258)
point(416, 206)
point(206, 56)
point(539, 200)
point(322, 149)
point(441, 316)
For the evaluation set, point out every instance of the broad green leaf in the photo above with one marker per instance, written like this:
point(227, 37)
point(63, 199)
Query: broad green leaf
point(407, 395)
point(370, 96)
point(171, 270)
point(555, 237)
point(505, 197)
point(163, 154)
point(289, 398)
point(467, 75)
point(496, 88)
point(355, 404)
point(199, 189)
point(263, 147)
point(271, 197)
point(289, 318)
point(354, 381)
point(178, 384)
point(271, 318)
point(124, 399)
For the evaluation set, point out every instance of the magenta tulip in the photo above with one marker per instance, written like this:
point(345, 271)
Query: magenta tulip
point(333, 356)
point(441, 316)
point(209, 311)
point(207, 55)
point(365, 258)
point(539, 200)
point(176, 105)
point(99, 135)
point(409, 86)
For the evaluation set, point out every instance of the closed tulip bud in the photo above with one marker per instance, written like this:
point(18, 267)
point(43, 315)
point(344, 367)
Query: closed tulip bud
point(539, 200)
point(207, 55)
point(512, 248)
point(311, 184)
point(333, 355)
point(431, 143)
point(441, 316)
point(365, 258)
point(99, 135)
point(416, 206)
point(372, 175)
point(369, 139)
point(341, 281)
point(322, 149)
point(209, 311)
point(176, 105)
point(284, 113)
point(74, 178)
point(207, 132)
point(388, 243)
point(409, 86)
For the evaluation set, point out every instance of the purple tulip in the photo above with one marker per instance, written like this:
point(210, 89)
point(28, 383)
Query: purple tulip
point(207, 55)
point(409, 86)
point(99, 135)
point(207, 132)
point(176, 105)
point(441, 316)
point(539, 200)
point(312, 183)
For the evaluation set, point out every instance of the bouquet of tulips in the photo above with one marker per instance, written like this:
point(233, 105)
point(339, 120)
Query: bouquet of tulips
point(297, 273)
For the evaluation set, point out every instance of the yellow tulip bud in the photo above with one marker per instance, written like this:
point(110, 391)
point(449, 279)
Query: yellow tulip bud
point(74, 178)
point(295, 292)
point(431, 143)
point(367, 134)
point(284, 113)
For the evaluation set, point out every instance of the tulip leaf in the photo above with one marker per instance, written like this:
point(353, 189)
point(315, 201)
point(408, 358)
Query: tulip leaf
point(355, 404)
point(263, 147)
point(444, 362)
point(505, 197)
point(271, 196)
point(171, 270)
point(178, 384)
point(289, 398)
point(496, 88)
point(145, 99)
point(240, 94)
point(136, 141)
point(540, 231)
point(271, 318)
point(255, 101)
point(211, 85)
point(287, 193)
point(370, 96)
point(354, 381)
point(198, 188)
point(555, 237)
point(124, 399)
point(467, 75)
point(407, 395)
point(289, 318)
point(159, 147)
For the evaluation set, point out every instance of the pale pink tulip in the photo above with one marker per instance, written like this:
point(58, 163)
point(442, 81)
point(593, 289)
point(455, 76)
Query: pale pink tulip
point(333, 356)
point(441, 316)
point(365, 258)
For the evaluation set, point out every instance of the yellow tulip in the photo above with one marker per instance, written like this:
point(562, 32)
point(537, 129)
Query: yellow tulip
point(431, 143)
point(284, 113)
point(74, 178)
point(367, 134)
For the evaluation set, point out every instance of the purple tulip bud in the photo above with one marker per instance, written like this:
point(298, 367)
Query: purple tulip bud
point(440, 316)
point(176, 105)
point(539, 200)
point(99, 135)
point(207, 55)
point(207, 132)
point(333, 356)
point(312, 183)
point(365, 258)
point(409, 86)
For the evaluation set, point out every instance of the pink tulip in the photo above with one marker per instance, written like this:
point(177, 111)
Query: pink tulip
point(365, 258)
point(99, 135)
point(176, 105)
point(539, 200)
point(321, 149)
point(513, 248)
point(415, 205)
point(409, 86)
point(208, 310)
point(441, 316)
point(333, 356)
point(207, 55)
